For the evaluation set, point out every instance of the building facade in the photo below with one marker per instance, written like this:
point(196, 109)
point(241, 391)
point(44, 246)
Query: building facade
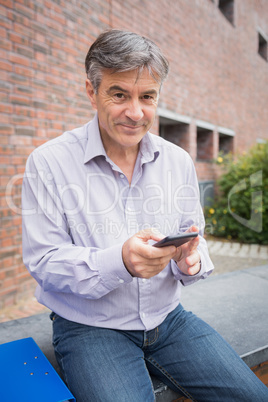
point(215, 99)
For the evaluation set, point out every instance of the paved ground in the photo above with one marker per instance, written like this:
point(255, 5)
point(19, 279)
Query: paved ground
point(227, 257)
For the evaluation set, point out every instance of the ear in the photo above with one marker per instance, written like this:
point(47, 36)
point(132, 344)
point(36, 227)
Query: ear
point(91, 94)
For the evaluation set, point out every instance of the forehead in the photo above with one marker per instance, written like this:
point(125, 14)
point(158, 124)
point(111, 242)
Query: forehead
point(129, 80)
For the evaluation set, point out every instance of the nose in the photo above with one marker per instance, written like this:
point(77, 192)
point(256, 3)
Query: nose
point(134, 110)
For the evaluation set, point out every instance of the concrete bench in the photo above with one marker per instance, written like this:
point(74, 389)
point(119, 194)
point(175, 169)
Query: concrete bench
point(235, 304)
point(40, 329)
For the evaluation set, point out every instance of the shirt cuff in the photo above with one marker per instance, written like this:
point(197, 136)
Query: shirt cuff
point(112, 270)
point(189, 279)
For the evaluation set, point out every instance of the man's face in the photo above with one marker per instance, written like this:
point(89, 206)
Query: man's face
point(126, 106)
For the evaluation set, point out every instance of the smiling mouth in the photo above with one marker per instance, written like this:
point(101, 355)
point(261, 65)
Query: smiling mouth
point(130, 125)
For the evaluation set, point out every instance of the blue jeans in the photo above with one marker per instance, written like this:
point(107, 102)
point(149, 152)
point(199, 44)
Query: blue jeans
point(104, 365)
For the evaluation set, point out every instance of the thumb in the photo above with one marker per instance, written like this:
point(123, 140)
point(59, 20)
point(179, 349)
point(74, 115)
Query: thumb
point(150, 234)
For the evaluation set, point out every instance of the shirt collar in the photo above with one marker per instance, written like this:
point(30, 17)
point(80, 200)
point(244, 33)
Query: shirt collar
point(94, 145)
point(148, 150)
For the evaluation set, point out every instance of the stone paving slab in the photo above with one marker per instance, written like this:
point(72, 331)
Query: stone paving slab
point(235, 249)
point(235, 304)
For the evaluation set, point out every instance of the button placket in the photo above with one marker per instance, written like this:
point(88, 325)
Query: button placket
point(144, 300)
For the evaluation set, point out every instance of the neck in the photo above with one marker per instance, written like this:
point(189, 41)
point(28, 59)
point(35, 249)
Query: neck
point(124, 154)
point(125, 159)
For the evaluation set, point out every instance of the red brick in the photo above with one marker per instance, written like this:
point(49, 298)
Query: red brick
point(5, 65)
point(7, 3)
point(6, 120)
point(21, 100)
point(16, 38)
point(23, 71)
point(17, 59)
point(6, 108)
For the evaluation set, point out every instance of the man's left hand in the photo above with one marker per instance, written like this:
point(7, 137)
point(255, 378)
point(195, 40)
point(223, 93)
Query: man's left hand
point(188, 258)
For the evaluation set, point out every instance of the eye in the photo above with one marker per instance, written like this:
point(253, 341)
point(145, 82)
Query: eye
point(147, 97)
point(119, 95)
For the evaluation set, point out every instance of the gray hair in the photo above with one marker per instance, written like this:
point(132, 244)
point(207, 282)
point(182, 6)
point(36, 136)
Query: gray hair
point(123, 51)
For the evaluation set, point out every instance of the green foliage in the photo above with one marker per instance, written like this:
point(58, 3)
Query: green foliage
point(241, 209)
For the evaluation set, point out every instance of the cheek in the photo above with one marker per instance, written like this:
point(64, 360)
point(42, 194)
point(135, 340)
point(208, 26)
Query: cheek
point(117, 112)
point(150, 113)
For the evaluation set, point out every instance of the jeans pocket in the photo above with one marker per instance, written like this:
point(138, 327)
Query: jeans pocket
point(52, 316)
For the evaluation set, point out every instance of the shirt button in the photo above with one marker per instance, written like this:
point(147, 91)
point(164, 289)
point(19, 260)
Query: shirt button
point(121, 281)
point(122, 176)
point(143, 315)
point(144, 280)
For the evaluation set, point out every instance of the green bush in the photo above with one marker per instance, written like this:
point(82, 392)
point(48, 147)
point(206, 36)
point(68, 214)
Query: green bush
point(240, 210)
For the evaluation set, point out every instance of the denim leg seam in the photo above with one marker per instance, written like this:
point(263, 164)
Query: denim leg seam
point(61, 366)
point(154, 363)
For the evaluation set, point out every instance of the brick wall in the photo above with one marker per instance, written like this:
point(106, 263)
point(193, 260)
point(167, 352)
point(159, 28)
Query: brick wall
point(42, 94)
point(216, 76)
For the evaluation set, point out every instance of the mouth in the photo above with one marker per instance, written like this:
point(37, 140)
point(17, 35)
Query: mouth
point(130, 126)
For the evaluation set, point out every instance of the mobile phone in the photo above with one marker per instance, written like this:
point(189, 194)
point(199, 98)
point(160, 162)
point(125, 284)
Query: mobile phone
point(176, 240)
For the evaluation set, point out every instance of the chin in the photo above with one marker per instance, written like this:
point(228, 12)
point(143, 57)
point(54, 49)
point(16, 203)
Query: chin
point(132, 140)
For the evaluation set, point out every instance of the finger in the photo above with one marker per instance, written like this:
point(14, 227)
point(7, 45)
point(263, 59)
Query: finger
point(149, 251)
point(156, 255)
point(143, 270)
point(193, 258)
point(193, 243)
point(193, 228)
point(150, 234)
point(194, 269)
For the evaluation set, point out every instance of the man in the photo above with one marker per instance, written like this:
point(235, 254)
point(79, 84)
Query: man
point(95, 201)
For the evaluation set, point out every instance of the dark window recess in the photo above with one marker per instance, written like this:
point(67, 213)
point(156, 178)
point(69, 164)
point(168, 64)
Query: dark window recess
point(204, 143)
point(225, 143)
point(262, 49)
point(175, 132)
point(227, 9)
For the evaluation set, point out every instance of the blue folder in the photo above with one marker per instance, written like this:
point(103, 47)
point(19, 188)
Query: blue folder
point(27, 376)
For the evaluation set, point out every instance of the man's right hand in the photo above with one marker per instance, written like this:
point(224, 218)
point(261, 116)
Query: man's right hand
point(141, 259)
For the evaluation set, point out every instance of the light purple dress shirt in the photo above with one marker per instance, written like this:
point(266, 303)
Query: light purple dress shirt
point(79, 209)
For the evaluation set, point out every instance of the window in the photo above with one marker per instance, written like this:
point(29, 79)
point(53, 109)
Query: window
point(225, 143)
point(227, 9)
point(204, 139)
point(262, 46)
point(175, 132)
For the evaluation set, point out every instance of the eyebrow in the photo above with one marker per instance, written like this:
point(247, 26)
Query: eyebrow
point(118, 88)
